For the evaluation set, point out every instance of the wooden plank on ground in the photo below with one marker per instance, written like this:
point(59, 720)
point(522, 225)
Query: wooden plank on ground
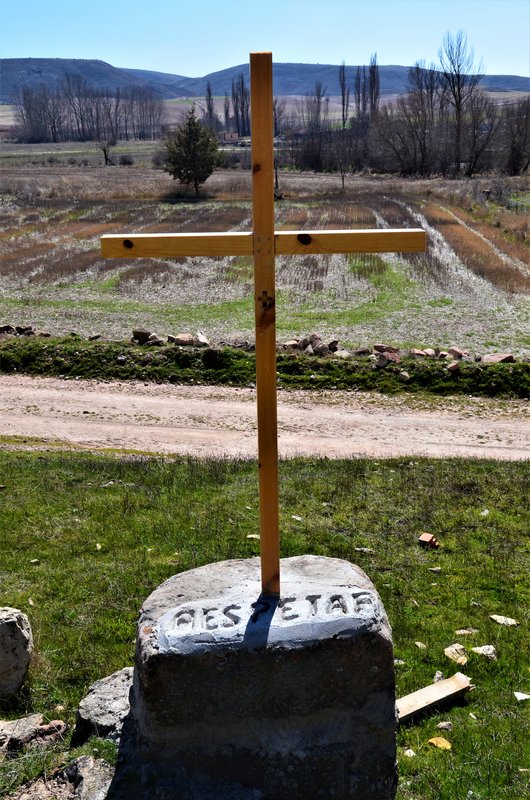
point(430, 696)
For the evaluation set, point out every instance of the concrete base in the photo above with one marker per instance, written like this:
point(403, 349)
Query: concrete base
point(236, 695)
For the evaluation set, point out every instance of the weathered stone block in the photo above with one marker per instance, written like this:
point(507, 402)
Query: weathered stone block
point(238, 695)
point(16, 645)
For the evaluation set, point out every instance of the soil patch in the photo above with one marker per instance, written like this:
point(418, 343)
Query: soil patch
point(219, 421)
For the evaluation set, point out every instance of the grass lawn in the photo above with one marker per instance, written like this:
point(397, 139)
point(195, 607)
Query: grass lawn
point(86, 538)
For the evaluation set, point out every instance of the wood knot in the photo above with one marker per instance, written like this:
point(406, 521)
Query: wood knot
point(256, 168)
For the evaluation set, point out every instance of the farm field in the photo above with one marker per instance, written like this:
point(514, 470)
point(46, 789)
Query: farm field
point(471, 288)
point(89, 535)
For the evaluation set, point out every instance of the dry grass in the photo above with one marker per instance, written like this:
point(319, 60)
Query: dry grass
point(477, 254)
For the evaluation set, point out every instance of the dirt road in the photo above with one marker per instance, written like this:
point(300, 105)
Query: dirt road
point(218, 421)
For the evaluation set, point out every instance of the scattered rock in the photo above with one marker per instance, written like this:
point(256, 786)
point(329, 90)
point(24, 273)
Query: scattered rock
point(436, 570)
point(364, 550)
point(386, 348)
point(121, 359)
point(91, 777)
point(140, 335)
point(487, 650)
point(342, 354)
point(363, 351)
point(404, 375)
point(87, 778)
point(102, 711)
point(500, 620)
point(409, 753)
point(438, 676)
point(428, 540)
point(390, 357)
point(445, 726)
point(30, 731)
point(23, 329)
point(154, 340)
point(202, 340)
point(521, 696)
point(94, 337)
point(457, 653)
point(16, 646)
point(398, 662)
point(466, 631)
point(415, 353)
point(333, 346)
point(421, 645)
point(498, 358)
point(453, 366)
point(7, 329)
point(456, 352)
point(291, 344)
point(320, 349)
point(429, 352)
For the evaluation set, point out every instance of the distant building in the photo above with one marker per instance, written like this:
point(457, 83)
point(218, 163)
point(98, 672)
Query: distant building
point(228, 137)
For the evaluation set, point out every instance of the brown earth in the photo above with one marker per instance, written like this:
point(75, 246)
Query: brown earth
point(217, 421)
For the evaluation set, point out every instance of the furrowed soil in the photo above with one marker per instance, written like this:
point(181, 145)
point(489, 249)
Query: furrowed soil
point(220, 421)
point(470, 288)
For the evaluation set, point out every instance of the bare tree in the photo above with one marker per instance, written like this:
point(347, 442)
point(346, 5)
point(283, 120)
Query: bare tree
point(278, 114)
point(241, 105)
point(344, 95)
point(419, 110)
point(516, 136)
point(226, 112)
point(373, 85)
point(236, 107)
point(460, 79)
point(211, 119)
point(481, 129)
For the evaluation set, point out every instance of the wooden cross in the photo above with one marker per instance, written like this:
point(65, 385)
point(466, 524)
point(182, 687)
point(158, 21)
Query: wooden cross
point(264, 243)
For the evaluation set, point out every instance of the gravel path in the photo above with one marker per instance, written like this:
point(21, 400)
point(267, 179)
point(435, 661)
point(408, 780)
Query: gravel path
point(219, 421)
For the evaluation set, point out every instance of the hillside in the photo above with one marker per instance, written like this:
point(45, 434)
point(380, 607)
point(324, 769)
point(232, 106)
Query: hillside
point(289, 79)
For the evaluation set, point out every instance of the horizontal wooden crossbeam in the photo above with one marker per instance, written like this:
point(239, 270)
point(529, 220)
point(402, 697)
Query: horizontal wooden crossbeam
point(174, 245)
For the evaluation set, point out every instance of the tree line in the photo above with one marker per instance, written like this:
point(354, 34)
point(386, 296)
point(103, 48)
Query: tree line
point(75, 111)
point(444, 124)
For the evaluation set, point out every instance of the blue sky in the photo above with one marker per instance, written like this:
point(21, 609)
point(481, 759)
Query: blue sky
point(196, 37)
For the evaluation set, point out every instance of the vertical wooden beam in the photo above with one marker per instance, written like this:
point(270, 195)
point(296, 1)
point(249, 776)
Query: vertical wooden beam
point(265, 314)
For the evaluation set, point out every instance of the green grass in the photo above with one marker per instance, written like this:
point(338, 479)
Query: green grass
point(76, 357)
point(394, 292)
point(153, 518)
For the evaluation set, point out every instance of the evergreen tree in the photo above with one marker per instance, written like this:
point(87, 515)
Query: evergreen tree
point(191, 152)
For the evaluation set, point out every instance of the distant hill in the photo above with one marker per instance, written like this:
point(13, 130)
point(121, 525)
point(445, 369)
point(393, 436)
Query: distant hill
point(289, 79)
